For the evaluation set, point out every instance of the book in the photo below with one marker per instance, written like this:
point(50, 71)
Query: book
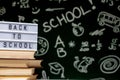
point(30, 77)
point(15, 63)
point(16, 54)
point(16, 71)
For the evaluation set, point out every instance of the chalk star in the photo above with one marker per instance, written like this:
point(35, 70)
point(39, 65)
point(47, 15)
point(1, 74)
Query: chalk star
point(71, 44)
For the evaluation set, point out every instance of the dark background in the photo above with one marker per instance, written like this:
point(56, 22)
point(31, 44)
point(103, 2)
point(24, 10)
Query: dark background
point(24, 11)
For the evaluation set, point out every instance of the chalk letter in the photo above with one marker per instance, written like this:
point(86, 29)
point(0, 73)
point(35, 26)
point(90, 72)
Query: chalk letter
point(59, 41)
point(47, 28)
point(77, 11)
point(62, 19)
point(51, 23)
point(68, 17)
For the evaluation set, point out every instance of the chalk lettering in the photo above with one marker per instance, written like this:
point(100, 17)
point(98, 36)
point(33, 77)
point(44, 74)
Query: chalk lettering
point(68, 17)
point(61, 19)
point(58, 42)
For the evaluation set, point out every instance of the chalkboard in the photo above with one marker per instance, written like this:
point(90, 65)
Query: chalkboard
point(77, 39)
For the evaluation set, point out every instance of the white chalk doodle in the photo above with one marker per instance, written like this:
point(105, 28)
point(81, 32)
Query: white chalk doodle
point(97, 32)
point(2, 10)
point(59, 42)
point(59, 1)
point(77, 29)
point(44, 75)
point(21, 3)
point(35, 20)
point(21, 18)
point(35, 10)
point(83, 65)
point(99, 45)
point(107, 19)
point(60, 47)
point(110, 2)
point(109, 64)
point(56, 68)
point(118, 7)
point(113, 45)
point(93, 45)
point(24, 4)
point(100, 78)
point(61, 52)
point(71, 44)
point(54, 9)
point(91, 2)
point(43, 46)
point(84, 46)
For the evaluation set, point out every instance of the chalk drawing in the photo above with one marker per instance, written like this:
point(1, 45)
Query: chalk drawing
point(118, 7)
point(97, 32)
point(21, 18)
point(77, 29)
point(113, 45)
point(59, 42)
point(93, 6)
point(44, 75)
point(35, 10)
point(84, 46)
point(61, 52)
point(2, 10)
point(109, 64)
point(107, 19)
point(56, 68)
point(100, 78)
point(99, 45)
point(43, 46)
point(24, 4)
point(59, 1)
point(83, 65)
point(35, 20)
point(54, 9)
point(71, 44)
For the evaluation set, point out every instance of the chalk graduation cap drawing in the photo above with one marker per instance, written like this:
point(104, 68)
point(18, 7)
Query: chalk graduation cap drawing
point(56, 68)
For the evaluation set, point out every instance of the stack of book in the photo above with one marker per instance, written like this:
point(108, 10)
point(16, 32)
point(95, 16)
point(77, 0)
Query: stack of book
point(18, 43)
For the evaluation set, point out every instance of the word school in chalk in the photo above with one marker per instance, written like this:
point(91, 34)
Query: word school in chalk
point(68, 17)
